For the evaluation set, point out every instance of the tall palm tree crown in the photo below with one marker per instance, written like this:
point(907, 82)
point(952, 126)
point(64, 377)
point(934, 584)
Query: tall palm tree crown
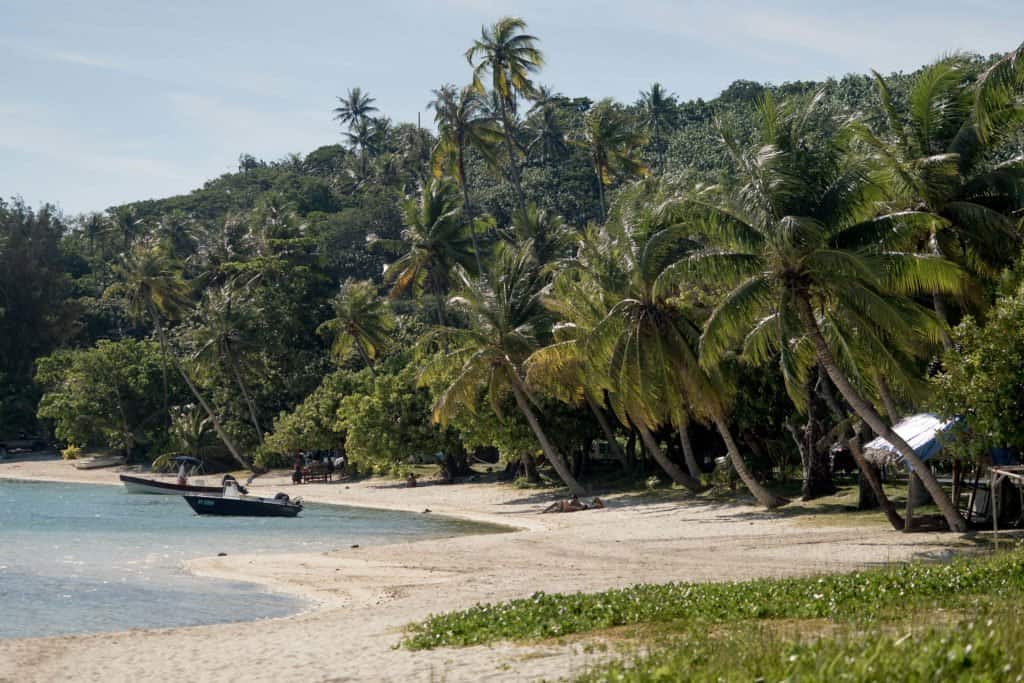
point(361, 322)
point(435, 240)
point(614, 141)
point(934, 160)
point(511, 57)
point(356, 106)
point(463, 122)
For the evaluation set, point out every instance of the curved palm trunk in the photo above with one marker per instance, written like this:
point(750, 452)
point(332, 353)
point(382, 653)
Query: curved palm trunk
point(606, 429)
point(244, 462)
point(366, 358)
point(688, 456)
point(868, 413)
point(513, 167)
point(553, 456)
point(671, 469)
point(876, 485)
point(248, 399)
point(887, 400)
point(468, 208)
point(761, 493)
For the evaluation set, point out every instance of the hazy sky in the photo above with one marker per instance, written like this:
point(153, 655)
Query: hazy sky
point(107, 101)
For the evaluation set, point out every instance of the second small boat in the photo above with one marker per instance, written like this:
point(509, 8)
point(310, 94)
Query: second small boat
point(235, 502)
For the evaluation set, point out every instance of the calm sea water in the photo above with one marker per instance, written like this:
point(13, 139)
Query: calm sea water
point(78, 558)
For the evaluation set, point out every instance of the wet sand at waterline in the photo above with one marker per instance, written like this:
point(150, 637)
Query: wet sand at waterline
point(364, 597)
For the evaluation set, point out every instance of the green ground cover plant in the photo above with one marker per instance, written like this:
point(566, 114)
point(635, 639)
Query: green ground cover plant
point(984, 647)
point(864, 596)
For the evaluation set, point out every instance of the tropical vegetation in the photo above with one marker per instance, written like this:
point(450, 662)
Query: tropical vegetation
point(592, 292)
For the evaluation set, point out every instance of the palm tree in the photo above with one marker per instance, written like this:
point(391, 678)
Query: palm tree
point(933, 159)
point(225, 317)
point(189, 431)
point(462, 123)
point(362, 321)
point(614, 142)
point(511, 57)
point(551, 238)
point(506, 322)
point(435, 240)
point(152, 286)
point(356, 106)
point(545, 128)
point(791, 237)
point(998, 94)
point(366, 136)
point(659, 114)
point(646, 345)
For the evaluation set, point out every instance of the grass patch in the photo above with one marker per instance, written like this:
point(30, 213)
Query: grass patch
point(985, 647)
point(868, 596)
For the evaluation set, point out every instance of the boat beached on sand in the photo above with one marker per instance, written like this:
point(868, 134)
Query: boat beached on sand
point(234, 501)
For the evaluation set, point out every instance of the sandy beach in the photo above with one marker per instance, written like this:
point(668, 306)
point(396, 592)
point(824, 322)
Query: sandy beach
point(365, 596)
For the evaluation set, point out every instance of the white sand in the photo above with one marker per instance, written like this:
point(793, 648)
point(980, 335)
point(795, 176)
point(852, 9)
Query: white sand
point(366, 595)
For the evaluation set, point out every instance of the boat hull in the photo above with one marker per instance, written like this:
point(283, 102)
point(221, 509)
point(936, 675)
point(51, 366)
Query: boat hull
point(244, 507)
point(168, 488)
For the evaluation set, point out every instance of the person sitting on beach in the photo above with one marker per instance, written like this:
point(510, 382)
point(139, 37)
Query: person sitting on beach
point(410, 480)
point(573, 504)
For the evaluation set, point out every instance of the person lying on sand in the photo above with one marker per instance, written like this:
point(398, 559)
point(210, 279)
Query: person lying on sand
point(573, 504)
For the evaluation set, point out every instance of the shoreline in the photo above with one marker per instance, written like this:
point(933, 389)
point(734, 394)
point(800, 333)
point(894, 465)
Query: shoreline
point(361, 598)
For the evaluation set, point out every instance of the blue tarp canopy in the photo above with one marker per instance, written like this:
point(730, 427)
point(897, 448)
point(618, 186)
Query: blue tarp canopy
point(921, 431)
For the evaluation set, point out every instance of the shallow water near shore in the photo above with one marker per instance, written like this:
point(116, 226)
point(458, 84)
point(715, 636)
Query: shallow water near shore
point(78, 558)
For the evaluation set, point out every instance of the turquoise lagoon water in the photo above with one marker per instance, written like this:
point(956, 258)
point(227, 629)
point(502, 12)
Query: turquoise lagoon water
point(78, 558)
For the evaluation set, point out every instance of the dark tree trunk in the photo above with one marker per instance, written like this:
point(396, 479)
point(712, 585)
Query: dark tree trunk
point(761, 493)
point(671, 469)
point(529, 468)
point(550, 452)
point(869, 472)
point(245, 395)
point(687, 446)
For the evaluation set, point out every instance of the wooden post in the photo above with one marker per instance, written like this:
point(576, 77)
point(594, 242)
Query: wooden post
point(994, 499)
point(908, 517)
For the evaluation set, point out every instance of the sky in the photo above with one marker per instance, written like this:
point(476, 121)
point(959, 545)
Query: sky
point(108, 101)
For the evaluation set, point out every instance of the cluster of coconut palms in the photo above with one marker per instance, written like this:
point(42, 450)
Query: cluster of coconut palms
point(838, 244)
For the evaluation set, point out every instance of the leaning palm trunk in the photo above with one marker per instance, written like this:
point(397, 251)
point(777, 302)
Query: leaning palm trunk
point(761, 493)
point(688, 456)
point(876, 485)
point(868, 413)
point(366, 358)
point(553, 456)
point(248, 399)
point(202, 401)
point(671, 469)
point(468, 208)
point(885, 393)
point(513, 166)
